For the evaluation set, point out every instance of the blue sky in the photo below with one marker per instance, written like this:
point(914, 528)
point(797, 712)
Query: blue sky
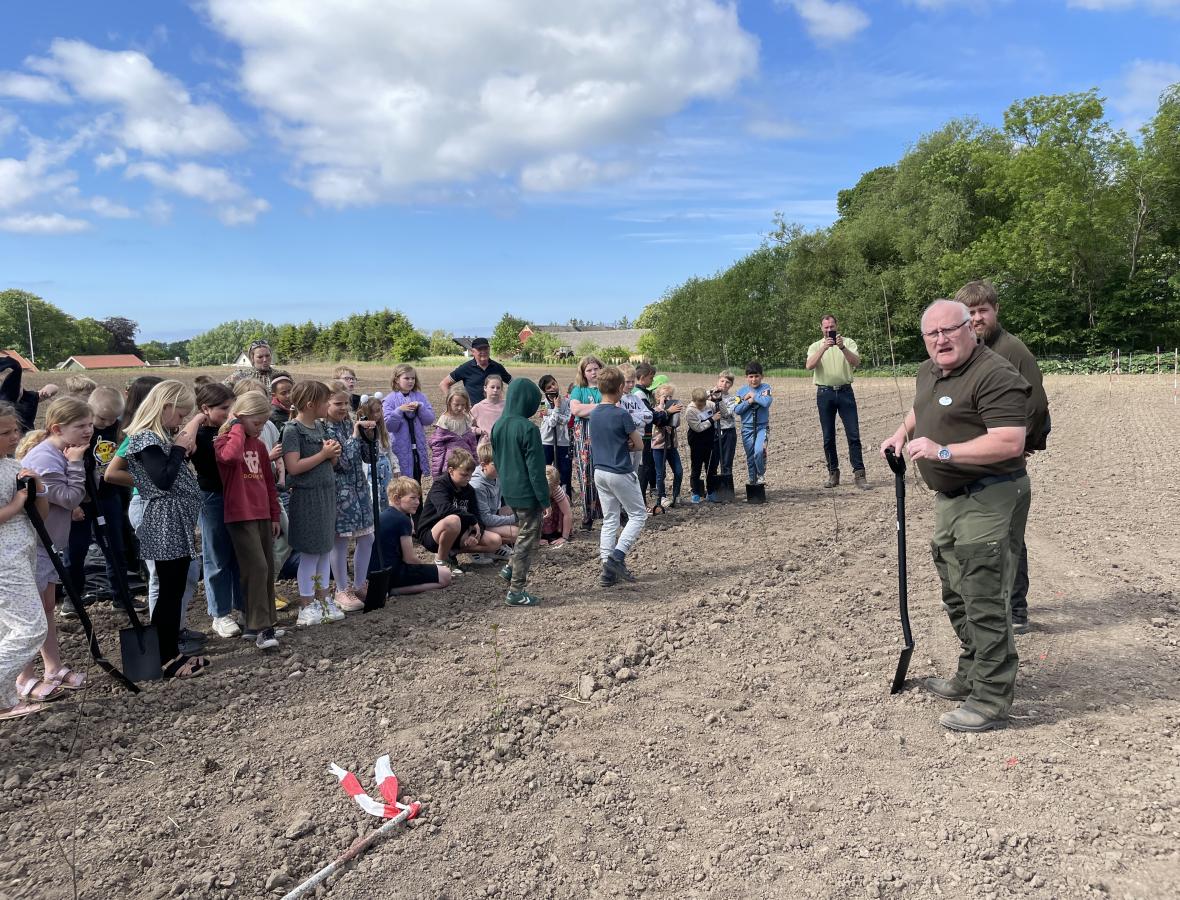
point(186, 163)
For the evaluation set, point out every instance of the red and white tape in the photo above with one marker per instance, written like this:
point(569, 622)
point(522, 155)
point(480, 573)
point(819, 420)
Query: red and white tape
point(386, 784)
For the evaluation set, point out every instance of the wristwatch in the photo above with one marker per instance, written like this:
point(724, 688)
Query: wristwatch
point(944, 454)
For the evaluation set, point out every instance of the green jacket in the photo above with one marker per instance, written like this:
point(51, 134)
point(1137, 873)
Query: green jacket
point(516, 443)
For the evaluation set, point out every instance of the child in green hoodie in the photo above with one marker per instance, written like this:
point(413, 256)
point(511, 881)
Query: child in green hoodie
point(520, 462)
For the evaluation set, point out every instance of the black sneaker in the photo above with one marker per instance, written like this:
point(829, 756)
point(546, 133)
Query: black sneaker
point(193, 637)
point(266, 639)
point(1020, 625)
point(619, 568)
point(250, 634)
point(608, 578)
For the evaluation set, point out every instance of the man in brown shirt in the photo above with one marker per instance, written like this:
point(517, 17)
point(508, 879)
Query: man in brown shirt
point(981, 300)
point(966, 434)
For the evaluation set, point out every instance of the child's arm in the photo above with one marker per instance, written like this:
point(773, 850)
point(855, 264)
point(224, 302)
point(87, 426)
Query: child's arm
point(117, 473)
point(567, 516)
point(16, 505)
point(297, 465)
point(409, 557)
point(489, 513)
point(425, 411)
point(230, 447)
point(67, 489)
point(763, 398)
point(635, 440)
point(162, 467)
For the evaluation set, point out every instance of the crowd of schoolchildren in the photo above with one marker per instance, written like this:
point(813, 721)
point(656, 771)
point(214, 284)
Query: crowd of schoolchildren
point(277, 476)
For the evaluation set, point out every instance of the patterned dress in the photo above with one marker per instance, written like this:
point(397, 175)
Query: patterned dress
point(22, 618)
point(169, 516)
point(312, 511)
point(354, 502)
point(583, 464)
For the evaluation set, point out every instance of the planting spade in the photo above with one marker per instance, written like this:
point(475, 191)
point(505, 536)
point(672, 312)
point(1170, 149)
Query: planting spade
point(897, 464)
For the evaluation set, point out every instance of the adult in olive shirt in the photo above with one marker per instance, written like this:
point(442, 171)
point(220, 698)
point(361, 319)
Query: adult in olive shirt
point(832, 359)
point(475, 371)
point(981, 300)
point(966, 434)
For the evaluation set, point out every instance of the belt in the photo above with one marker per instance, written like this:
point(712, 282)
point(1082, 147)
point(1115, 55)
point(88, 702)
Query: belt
point(829, 387)
point(986, 481)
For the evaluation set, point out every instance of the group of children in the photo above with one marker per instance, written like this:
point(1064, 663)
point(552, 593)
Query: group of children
point(278, 476)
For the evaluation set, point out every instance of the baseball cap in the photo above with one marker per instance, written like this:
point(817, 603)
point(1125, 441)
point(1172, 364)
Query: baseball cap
point(479, 343)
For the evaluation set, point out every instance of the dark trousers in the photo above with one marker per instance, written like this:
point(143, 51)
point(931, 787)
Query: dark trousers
point(1020, 586)
point(82, 534)
point(565, 468)
point(728, 449)
point(173, 576)
point(843, 401)
point(647, 471)
point(702, 459)
point(253, 543)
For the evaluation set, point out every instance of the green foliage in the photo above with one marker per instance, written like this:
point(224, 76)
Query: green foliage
point(540, 347)
point(615, 354)
point(587, 348)
point(122, 334)
point(505, 339)
point(443, 344)
point(92, 338)
point(649, 346)
point(56, 335)
point(1076, 225)
point(223, 343)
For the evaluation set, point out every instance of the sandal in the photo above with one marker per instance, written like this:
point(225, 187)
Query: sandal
point(21, 709)
point(186, 667)
point(34, 691)
point(69, 679)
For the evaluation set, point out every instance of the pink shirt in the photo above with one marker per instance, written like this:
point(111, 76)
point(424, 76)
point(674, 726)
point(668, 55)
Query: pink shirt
point(486, 414)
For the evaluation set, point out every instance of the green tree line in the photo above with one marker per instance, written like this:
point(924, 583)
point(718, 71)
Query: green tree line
point(1076, 224)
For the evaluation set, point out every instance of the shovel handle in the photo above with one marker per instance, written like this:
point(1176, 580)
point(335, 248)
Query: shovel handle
point(896, 462)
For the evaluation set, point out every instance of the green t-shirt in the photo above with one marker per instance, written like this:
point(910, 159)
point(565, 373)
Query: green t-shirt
point(832, 370)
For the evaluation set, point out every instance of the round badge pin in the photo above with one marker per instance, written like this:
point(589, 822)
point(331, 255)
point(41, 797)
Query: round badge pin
point(944, 401)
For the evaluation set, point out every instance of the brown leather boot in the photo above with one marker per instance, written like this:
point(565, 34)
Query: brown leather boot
point(861, 481)
point(833, 479)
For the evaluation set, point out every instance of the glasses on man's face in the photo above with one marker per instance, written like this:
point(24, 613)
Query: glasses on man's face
point(936, 333)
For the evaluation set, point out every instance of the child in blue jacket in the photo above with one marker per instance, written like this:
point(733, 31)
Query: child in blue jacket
point(753, 409)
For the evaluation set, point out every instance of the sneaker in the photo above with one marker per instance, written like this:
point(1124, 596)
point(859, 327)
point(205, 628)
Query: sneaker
point(482, 559)
point(666, 502)
point(226, 627)
point(348, 601)
point(193, 637)
point(506, 572)
point(503, 552)
point(1019, 625)
point(312, 614)
point(521, 598)
point(619, 567)
point(712, 498)
point(66, 610)
point(267, 640)
point(607, 578)
point(761, 479)
point(331, 611)
point(450, 564)
point(140, 605)
point(696, 498)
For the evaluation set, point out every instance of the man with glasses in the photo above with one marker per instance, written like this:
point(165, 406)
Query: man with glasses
point(833, 358)
point(981, 300)
point(966, 433)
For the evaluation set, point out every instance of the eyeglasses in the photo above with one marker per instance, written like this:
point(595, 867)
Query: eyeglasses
point(936, 333)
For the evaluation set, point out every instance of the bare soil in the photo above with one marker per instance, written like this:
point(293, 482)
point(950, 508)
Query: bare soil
point(721, 728)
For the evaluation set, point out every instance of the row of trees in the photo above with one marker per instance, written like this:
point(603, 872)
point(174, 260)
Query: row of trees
point(1077, 225)
point(57, 335)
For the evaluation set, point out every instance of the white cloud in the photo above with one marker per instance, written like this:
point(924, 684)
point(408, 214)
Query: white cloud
point(43, 223)
point(775, 129)
point(23, 179)
point(387, 96)
point(215, 186)
point(828, 21)
point(116, 157)
point(1160, 6)
point(1143, 82)
point(32, 88)
point(157, 115)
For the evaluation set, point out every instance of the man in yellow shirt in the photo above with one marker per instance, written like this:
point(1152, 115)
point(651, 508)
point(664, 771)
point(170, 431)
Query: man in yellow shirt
point(833, 359)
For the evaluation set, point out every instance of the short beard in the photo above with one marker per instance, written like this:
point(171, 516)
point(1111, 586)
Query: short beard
point(989, 331)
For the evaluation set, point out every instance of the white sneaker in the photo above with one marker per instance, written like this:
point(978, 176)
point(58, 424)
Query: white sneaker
point(311, 614)
point(226, 627)
point(331, 611)
point(666, 502)
point(482, 559)
point(503, 552)
point(761, 480)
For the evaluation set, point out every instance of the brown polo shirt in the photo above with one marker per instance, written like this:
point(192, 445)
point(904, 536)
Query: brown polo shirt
point(984, 392)
point(1012, 349)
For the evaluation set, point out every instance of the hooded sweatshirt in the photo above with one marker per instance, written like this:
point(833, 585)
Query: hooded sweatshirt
point(487, 492)
point(516, 443)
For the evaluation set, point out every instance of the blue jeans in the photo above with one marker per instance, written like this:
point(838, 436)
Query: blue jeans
point(671, 458)
point(223, 589)
point(843, 401)
point(754, 442)
point(565, 469)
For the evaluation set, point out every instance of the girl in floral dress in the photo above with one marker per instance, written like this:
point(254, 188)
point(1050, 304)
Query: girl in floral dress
point(354, 502)
point(584, 397)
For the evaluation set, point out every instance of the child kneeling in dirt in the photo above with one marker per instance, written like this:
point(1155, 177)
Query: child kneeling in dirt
point(450, 516)
point(520, 463)
point(394, 531)
point(495, 515)
point(616, 436)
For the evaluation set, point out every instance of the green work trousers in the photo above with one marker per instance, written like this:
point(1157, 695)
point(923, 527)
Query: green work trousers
point(976, 546)
point(528, 540)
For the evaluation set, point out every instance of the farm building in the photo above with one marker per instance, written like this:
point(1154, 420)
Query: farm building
point(110, 361)
point(25, 365)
